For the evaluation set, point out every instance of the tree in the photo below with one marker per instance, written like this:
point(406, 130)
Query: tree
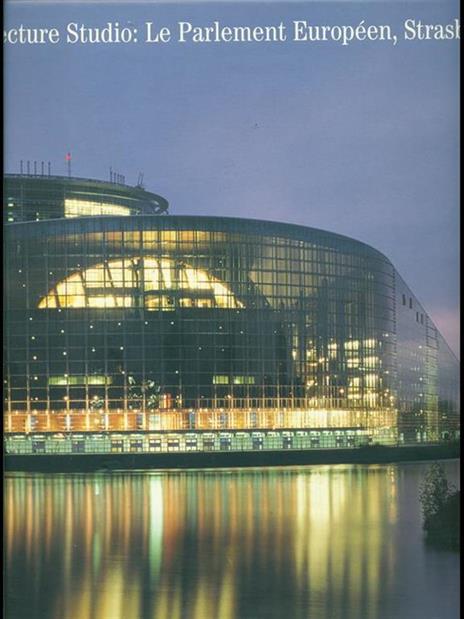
point(434, 491)
point(440, 507)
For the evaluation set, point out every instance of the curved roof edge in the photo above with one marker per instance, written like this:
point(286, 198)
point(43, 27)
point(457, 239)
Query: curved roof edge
point(253, 226)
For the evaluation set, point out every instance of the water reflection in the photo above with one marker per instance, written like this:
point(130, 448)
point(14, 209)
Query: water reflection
point(321, 542)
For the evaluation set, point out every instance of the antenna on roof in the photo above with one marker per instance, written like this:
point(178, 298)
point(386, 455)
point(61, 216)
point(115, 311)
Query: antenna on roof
point(68, 160)
point(116, 178)
point(140, 181)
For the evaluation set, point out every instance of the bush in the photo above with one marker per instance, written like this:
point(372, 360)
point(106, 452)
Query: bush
point(440, 508)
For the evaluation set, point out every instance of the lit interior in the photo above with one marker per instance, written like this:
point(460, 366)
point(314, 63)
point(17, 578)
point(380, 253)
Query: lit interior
point(88, 208)
point(152, 283)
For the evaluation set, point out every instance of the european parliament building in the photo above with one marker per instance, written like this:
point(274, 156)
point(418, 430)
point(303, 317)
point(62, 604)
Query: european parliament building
point(131, 330)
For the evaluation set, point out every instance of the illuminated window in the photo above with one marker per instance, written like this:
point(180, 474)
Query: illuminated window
point(155, 284)
point(332, 348)
point(87, 208)
point(244, 380)
point(371, 381)
point(65, 381)
point(220, 380)
point(236, 380)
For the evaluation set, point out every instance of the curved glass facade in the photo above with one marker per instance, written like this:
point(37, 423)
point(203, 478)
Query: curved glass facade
point(202, 324)
point(40, 197)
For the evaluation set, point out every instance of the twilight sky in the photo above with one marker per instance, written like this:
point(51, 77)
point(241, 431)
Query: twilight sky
point(361, 140)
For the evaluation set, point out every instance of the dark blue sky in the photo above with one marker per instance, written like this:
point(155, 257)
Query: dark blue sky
point(361, 140)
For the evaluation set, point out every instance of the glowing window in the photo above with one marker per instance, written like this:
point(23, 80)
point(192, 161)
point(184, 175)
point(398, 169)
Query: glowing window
point(371, 380)
point(220, 380)
point(332, 348)
point(152, 283)
point(87, 208)
point(64, 381)
point(244, 380)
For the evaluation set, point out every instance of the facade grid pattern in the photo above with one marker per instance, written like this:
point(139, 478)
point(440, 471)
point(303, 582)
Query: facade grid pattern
point(149, 322)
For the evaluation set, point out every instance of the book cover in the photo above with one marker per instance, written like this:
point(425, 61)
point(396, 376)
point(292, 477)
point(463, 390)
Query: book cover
point(231, 309)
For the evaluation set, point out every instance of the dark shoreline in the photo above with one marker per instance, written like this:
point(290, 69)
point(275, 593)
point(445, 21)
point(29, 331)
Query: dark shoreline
point(192, 460)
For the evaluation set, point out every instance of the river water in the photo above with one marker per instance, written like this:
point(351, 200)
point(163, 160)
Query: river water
point(314, 542)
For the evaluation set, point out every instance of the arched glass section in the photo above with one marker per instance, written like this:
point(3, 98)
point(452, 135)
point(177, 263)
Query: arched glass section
point(150, 283)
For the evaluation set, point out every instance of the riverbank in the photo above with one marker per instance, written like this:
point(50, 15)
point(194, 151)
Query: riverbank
point(378, 454)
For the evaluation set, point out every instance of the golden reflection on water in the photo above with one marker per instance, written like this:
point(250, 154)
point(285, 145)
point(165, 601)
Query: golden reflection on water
point(309, 542)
